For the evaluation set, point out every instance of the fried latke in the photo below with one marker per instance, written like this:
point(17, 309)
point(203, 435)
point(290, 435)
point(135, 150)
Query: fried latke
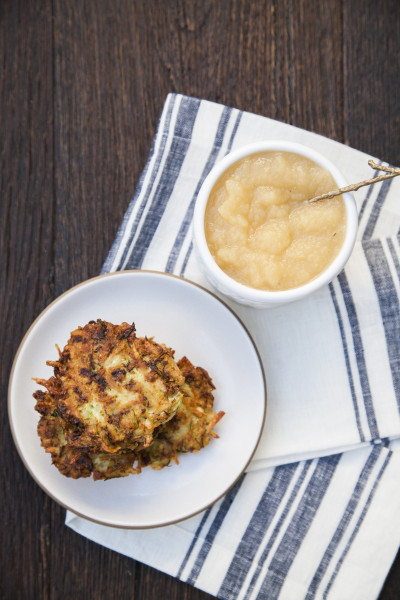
point(193, 425)
point(85, 442)
point(189, 430)
point(112, 389)
point(72, 461)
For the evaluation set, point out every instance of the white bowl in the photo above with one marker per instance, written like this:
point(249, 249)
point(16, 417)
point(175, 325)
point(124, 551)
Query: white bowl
point(248, 295)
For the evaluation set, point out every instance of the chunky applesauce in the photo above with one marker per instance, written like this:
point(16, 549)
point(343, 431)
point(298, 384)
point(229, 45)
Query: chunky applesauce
point(260, 227)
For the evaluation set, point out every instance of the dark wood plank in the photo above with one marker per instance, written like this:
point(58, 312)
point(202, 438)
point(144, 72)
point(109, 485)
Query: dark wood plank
point(164, 586)
point(315, 66)
point(81, 569)
point(26, 273)
point(100, 145)
point(371, 77)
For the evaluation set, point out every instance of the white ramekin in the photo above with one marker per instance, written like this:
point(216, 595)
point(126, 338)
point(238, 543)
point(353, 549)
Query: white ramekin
point(251, 296)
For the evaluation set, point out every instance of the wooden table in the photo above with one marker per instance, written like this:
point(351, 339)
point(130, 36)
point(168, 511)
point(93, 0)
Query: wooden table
point(83, 83)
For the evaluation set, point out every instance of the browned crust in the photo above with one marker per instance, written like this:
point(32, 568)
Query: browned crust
point(78, 449)
point(101, 364)
point(193, 425)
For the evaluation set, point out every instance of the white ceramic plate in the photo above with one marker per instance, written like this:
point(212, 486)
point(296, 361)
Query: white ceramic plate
point(195, 323)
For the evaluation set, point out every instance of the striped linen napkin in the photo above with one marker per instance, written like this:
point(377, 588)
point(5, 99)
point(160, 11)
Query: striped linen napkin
point(317, 514)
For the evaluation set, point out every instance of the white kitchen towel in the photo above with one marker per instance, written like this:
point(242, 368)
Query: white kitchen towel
point(325, 528)
point(317, 513)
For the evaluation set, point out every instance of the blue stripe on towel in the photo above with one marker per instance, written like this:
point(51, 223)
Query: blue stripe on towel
point(359, 352)
point(256, 530)
point(366, 199)
point(186, 259)
point(231, 494)
point(193, 542)
point(358, 524)
point(394, 257)
point(389, 306)
point(347, 361)
point(229, 148)
point(344, 522)
point(376, 209)
point(188, 111)
point(213, 530)
point(215, 148)
point(108, 265)
point(234, 131)
point(298, 527)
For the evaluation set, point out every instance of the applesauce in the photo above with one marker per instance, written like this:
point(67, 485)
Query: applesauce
point(260, 227)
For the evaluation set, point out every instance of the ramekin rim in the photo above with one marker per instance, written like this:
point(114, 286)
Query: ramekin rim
point(238, 289)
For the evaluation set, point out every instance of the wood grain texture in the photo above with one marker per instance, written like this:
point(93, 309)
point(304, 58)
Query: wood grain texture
point(371, 69)
point(82, 85)
point(26, 273)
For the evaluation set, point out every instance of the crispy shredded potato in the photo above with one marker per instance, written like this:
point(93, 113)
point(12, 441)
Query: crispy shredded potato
point(118, 403)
